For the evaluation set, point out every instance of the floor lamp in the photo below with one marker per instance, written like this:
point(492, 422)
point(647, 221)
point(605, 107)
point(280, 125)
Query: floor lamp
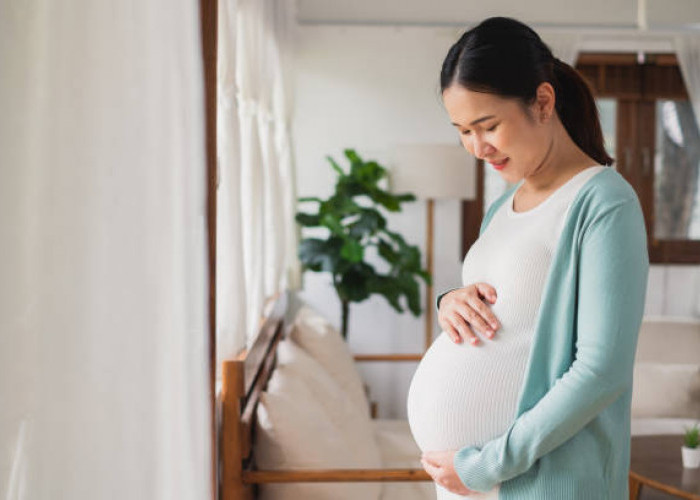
point(433, 172)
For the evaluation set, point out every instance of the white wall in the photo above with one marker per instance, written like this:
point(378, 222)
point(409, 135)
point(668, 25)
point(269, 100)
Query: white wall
point(368, 88)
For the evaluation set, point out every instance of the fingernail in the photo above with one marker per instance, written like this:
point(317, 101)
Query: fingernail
point(475, 340)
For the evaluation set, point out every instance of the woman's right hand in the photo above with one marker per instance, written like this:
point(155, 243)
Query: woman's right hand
point(463, 310)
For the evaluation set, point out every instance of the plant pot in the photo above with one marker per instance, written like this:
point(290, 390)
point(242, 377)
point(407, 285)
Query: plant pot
point(691, 457)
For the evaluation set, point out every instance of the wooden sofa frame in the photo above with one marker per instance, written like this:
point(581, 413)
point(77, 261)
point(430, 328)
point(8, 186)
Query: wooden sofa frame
point(244, 378)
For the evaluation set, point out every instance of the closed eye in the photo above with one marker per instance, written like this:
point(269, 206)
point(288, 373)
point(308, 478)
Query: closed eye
point(466, 132)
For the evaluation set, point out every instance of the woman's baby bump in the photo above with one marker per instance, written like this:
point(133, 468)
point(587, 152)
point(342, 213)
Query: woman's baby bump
point(464, 394)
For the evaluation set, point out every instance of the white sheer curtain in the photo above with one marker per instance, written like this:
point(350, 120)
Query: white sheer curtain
point(688, 55)
point(257, 194)
point(230, 276)
point(103, 296)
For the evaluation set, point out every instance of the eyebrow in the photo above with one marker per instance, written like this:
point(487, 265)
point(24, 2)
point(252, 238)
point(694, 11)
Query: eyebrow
point(476, 121)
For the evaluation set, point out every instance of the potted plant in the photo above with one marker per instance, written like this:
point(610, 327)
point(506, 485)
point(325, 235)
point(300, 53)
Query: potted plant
point(691, 450)
point(355, 224)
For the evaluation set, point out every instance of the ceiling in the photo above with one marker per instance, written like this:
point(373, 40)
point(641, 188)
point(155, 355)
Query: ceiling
point(662, 14)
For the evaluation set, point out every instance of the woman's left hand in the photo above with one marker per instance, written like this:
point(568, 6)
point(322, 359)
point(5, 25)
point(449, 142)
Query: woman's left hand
point(440, 467)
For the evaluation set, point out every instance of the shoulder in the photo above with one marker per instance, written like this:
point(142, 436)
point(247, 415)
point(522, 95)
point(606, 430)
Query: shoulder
point(608, 205)
point(607, 191)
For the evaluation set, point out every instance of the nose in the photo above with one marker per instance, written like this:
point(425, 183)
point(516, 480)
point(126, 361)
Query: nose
point(481, 148)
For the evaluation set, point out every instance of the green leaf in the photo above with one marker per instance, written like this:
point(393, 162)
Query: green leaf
point(412, 293)
point(354, 158)
point(426, 276)
point(405, 197)
point(353, 284)
point(335, 166)
point(410, 258)
point(308, 220)
point(350, 187)
point(332, 222)
point(339, 206)
point(369, 222)
point(369, 173)
point(352, 250)
point(397, 238)
point(320, 255)
point(388, 288)
point(387, 252)
point(309, 198)
point(387, 200)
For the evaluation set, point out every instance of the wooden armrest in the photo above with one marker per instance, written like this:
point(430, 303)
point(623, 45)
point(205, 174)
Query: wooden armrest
point(334, 475)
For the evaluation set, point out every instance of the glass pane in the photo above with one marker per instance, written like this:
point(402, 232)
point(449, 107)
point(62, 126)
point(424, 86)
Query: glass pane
point(607, 112)
point(676, 172)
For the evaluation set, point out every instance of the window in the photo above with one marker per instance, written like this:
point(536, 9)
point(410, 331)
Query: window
point(651, 131)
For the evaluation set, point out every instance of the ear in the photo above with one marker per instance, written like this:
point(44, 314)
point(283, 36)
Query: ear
point(544, 101)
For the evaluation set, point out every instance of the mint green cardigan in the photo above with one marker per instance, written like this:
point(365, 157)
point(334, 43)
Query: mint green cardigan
point(570, 438)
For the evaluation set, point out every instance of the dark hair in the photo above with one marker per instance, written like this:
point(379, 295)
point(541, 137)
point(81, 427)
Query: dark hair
point(506, 57)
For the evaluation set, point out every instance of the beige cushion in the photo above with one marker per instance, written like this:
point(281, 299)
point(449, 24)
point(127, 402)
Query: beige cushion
point(667, 340)
point(324, 343)
point(304, 421)
point(399, 450)
point(666, 390)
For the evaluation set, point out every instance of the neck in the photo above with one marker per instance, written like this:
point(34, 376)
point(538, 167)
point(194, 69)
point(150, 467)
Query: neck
point(562, 160)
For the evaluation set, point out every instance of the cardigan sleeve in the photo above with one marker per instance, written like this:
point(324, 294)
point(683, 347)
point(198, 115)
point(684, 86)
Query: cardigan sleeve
point(612, 282)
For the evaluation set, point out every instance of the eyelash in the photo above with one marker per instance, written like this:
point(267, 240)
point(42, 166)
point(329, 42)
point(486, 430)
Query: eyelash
point(488, 129)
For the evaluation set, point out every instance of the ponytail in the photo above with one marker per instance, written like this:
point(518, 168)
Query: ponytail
point(578, 112)
point(506, 57)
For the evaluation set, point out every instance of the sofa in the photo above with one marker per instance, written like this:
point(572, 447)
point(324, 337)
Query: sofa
point(315, 412)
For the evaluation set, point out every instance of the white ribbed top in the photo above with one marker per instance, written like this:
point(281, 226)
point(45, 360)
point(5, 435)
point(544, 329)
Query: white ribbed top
point(464, 395)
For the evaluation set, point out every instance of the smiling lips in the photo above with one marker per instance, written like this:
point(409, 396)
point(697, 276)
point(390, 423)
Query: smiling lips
point(498, 165)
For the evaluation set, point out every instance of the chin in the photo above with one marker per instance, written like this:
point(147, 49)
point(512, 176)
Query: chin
point(510, 177)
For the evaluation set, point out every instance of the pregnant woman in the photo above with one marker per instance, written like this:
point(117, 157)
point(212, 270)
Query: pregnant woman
point(525, 394)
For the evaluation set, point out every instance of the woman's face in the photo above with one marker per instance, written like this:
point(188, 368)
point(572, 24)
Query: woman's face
point(498, 130)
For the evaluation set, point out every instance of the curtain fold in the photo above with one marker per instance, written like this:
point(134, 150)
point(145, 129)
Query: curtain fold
point(688, 55)
point(231, 285)
point(103, 301)
point(257, 191)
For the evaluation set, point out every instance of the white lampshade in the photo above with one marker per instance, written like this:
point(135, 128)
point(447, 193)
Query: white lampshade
point(433, 171)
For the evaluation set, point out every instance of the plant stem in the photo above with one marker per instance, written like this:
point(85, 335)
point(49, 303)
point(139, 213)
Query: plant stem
point(346, 310)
